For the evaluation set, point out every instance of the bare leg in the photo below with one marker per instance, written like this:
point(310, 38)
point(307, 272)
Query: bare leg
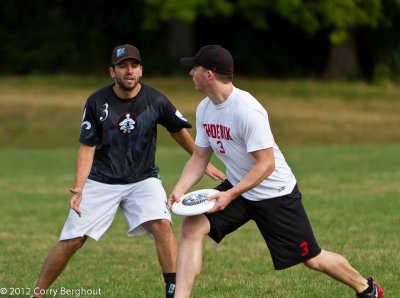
point(190, 254)
point(337, 267)
point(57, 260)
point(166, 243)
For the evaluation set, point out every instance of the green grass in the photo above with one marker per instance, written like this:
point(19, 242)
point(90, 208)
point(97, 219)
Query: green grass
point(341, 140)
point(351, 194)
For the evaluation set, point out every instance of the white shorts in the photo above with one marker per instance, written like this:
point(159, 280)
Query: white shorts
point(140, 202)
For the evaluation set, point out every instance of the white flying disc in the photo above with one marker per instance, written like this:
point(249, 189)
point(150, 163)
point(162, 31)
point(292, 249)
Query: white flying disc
point(194, 203)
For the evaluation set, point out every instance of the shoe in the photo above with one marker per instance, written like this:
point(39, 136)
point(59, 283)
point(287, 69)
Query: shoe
point(377, 291)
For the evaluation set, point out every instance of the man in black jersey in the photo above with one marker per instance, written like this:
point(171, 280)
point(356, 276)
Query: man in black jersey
point(115, 168)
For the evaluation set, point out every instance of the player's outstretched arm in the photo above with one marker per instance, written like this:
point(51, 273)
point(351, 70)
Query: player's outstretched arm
point(84, 163)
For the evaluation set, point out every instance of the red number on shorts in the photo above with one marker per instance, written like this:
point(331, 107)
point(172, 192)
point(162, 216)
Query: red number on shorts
point(221, 147)
point(304, 247)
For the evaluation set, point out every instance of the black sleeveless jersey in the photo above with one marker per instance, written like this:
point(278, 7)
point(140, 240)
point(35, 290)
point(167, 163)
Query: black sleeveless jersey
point(124, 132)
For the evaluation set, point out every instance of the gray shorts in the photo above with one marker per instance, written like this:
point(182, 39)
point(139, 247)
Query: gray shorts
point(140, 202)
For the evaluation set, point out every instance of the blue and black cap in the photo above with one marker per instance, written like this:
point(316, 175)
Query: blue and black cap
point(123, 52)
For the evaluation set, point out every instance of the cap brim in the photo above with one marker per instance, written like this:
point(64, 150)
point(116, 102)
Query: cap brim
point(188, 62)
point(127, 57)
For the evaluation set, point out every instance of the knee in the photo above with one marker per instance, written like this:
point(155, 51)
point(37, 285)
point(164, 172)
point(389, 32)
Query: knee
point(74, 244)
point(326, 260)
point(160, 227)
point(313, 263)
point(194, 227)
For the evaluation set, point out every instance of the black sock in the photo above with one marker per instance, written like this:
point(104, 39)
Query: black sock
point(170, 279)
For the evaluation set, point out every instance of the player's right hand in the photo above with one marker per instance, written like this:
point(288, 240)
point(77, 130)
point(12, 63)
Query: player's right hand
point(76, 199)
point(174, 197)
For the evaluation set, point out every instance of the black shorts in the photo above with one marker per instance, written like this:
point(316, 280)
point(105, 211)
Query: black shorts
point(282, 222)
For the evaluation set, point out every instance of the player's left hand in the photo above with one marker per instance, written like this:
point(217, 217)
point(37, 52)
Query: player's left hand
point(222, 199)
point(214, 173)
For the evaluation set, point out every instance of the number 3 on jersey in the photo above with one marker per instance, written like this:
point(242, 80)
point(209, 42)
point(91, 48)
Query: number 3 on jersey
point(221, 147)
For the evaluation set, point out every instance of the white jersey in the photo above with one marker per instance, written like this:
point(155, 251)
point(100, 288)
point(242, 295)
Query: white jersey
point(236, 128)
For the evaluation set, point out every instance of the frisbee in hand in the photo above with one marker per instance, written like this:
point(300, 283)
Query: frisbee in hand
point(194, 203)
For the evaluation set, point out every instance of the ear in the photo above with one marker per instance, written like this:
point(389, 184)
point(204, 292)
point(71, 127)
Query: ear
point(111, 71)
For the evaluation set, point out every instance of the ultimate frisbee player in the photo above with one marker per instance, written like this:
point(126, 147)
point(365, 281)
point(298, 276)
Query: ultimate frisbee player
point(116, 168)
point(260, 186)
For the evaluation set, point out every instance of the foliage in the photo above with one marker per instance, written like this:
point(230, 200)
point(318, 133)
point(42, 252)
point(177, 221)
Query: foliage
point(312, 16)
point(158, 11)
point(382, 74)
point(285, 37)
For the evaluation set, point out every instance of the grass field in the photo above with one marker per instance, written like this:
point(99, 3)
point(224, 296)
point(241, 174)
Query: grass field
point(341, 140)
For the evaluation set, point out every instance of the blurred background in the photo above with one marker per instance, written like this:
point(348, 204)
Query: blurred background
point(331, 39)
point(327, 71)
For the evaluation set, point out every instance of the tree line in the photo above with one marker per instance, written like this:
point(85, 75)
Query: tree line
point(333, 39)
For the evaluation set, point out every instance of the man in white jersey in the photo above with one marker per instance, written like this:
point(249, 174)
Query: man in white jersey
point(260, 185)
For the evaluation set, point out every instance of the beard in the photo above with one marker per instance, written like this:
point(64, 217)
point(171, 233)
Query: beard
point(125, 86)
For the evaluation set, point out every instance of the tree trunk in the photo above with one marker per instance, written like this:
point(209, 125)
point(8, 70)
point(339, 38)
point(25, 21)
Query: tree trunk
point(343, 60)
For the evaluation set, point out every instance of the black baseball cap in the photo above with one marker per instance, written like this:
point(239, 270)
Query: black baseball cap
point(212, 57)
point(124, 52)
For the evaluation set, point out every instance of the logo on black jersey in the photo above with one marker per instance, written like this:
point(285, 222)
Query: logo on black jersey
point(85, 124)
point(126, 123)
point(178, 114)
